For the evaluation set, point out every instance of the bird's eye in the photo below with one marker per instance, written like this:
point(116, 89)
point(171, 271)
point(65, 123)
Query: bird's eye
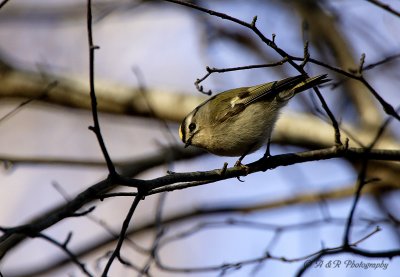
point(192, 127)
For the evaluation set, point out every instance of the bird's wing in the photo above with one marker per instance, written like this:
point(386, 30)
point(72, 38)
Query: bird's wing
point(270, 90)
point(235, 101)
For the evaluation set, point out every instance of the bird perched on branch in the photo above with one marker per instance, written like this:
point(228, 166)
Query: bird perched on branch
point(239, 121)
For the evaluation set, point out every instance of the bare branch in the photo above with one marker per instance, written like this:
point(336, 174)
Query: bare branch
point(127, 167)
point(177, 181)
point(124, 229)
point(268, 256)
point(96, 127)
point(384, 6)
point(3, 3)
point(361, 178)
point(26, 102)
point(63, 247)
point(230, 69)
point(350, 249)
point(302, 199)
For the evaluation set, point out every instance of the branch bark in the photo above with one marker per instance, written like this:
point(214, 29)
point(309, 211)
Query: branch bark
point(175, 181)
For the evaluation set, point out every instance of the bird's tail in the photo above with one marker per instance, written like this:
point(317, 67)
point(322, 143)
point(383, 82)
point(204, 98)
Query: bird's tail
point(303, 84)
point(311, 82)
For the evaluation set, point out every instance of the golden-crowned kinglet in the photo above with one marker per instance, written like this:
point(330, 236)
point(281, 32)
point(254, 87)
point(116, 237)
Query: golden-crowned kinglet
point(239, 121)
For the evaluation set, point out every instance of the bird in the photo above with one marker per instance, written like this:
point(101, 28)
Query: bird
point(239, 121)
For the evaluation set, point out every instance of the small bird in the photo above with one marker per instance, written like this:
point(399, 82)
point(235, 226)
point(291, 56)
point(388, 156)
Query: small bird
point(239, 121)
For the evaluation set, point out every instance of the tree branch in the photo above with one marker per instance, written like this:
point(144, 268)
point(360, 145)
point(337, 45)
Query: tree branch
point(182, 180)
point(384, 6)
point(3, 3)
point(124, 229)
point(96, 127)
point(186, 215)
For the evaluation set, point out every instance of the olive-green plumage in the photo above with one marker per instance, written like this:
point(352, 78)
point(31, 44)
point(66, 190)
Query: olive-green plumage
point(239, 121)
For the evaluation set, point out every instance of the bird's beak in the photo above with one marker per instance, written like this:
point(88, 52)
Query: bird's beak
point(189, 140)
point(188, 143)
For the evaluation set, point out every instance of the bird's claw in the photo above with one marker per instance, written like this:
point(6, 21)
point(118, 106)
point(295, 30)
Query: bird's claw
point(241, 166)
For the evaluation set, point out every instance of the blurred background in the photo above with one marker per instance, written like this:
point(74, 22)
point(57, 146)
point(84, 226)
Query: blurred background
point(49, 155)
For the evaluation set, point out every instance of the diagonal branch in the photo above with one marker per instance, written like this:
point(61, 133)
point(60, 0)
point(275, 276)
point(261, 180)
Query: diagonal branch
point(124, 229)
point(3, 3)
point(384, 6)
point(63, 246)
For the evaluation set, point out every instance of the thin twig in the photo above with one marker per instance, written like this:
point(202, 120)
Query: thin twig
point(3, 3)
point(26, 102)
point(359, 77)
point(362, 180)
point(267, 256)
point(384, 6)
point(63, 247)
point(211, 70)
point(96, 127)
point(159, 232)
point(360, 185)
point(381, 62)
point(386, 106)
point(349, 249)
point(125, 225)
